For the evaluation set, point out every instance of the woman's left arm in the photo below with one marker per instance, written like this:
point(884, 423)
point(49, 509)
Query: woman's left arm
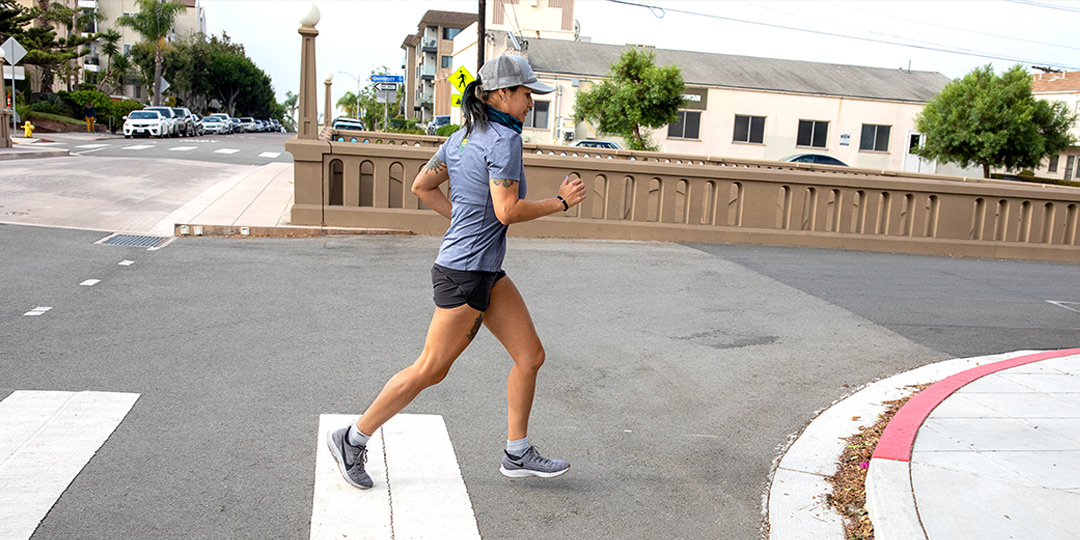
point(426, 186)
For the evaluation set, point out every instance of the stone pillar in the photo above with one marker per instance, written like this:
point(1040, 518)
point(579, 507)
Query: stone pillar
point(328, 117)
point(308, 124)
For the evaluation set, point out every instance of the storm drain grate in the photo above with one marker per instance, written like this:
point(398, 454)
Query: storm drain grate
point(134, 240)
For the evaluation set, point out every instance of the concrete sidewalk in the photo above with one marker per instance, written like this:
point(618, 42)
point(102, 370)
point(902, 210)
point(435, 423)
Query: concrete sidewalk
point(991, 450)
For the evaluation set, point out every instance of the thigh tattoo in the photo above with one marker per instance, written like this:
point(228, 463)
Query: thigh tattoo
point(476, 326)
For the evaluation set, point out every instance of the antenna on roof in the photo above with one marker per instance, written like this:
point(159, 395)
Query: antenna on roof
point(1046, 69)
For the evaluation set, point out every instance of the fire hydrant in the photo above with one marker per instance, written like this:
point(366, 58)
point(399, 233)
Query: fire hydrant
point(28, 129)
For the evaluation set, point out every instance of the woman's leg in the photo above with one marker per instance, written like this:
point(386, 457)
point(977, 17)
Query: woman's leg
point(450, 332)
point(509, 321)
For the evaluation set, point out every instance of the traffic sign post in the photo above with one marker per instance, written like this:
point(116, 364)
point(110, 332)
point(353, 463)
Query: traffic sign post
point(13, 52)
point(461, 78)
point(399, 79)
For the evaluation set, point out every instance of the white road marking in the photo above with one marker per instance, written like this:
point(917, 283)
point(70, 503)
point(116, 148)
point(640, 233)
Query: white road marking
point(227, 151)
point(417, 480)
point(90, 282)
point(139, 147)
point(126, 263)
point(46, 438)
point(270, 155)
point(182, 148)
point(1071, 306)
point(91, 145)
point(36, 311)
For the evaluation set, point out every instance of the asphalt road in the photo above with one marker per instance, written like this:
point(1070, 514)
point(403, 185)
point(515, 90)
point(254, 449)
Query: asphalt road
point(674, 374)
point(236, 149)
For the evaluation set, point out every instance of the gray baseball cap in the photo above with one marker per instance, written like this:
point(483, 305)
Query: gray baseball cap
point(508, 70)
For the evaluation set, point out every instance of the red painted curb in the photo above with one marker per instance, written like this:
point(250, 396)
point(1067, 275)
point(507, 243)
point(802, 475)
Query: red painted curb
point(899, 436)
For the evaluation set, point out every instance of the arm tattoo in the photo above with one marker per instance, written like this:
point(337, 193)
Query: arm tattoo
point(435, 165)
point(502, 182)
point(476, 326)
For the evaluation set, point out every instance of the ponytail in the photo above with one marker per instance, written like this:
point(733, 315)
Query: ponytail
point(474, 106)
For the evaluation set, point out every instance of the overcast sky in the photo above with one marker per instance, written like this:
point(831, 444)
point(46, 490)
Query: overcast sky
point(358, 36)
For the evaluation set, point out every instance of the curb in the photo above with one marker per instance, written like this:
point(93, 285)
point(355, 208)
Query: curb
point(890, 498)
point(796, 507)
point(238, 231)
point(23, 153)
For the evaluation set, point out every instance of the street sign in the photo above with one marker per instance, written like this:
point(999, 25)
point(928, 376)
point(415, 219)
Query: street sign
point(386, 86)
point(13, 52)
point(461, 78)
point(455, 100)
point(388, 79)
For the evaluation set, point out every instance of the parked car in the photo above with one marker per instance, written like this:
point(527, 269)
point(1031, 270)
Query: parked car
point(235, 123)
point(348, 123)
point(247, 123)
point(817, 159)
point(225, 120)
point(185, 121)
point(592, 143)
point(438, 122)
point(216, 125)
point(171, 119)
point(276, 126)
point(144, 122)
point(199, 131)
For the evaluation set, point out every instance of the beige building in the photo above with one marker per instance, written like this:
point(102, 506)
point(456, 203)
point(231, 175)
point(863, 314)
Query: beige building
point(192, 20)
point(428, 63)
point(1063, 87)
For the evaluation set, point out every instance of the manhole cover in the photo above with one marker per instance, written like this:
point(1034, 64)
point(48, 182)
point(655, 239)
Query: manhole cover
point(133, 240)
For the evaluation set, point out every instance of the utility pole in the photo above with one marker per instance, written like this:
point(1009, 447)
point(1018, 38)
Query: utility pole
point(481, 36)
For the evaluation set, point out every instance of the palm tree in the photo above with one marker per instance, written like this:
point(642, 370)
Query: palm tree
point(110, 40)
point(290, 105)
point(155, 21)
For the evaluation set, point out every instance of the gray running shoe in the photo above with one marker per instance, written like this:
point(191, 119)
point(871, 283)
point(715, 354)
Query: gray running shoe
point(350, 459)
point(532, 464)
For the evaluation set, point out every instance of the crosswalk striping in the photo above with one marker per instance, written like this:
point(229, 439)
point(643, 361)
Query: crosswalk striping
point(417, 482)
point(138, 147)
point(182, 148)
point(270, 155)
point(91, 146)
point(33, 426)
point(226, 151)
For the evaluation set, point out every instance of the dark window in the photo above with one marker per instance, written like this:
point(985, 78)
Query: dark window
point(1053, 163)
point(687, 127)
point(538, 116)
point(749, 129)
point(874, 138)
point(450, 33)
point(447, 61)
point(813, 133)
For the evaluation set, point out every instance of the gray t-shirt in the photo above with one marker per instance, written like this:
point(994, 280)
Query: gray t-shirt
point(476, 239)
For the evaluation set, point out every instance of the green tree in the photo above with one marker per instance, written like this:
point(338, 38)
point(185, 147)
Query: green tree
point(636, 94)
point(13, 19)
point(154, 21)
point(110, 47)
point(48, 53)
point(348, 103)
point(290, 105)
point(993, 121)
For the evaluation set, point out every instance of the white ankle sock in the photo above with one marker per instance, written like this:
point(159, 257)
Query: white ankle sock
point(357, 437)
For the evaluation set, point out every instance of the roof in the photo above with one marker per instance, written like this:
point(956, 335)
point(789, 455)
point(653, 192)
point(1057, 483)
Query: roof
point(1056, 82)
point(450, 19)
point(746, 72)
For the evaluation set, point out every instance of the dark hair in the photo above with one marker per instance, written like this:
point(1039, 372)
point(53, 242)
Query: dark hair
point(474, 106)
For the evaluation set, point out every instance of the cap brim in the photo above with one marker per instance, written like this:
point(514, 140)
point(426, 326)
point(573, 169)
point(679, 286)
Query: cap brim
point(539, 88)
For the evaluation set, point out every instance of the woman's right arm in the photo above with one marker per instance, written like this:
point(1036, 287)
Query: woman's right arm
point(426, 186)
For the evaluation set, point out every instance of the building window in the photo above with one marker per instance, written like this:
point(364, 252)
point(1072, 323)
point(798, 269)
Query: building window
point(1053, 163)
point(450, 33)
point(687, 127)
point(447, 61)
point(749, 129)
point(874, 138)
point(813, 133)
point(538, 116)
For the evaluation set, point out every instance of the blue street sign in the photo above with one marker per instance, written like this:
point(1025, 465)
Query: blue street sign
point(388, 78)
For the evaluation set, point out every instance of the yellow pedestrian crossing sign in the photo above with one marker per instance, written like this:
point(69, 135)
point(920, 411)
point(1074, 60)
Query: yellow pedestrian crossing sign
point(461, 78)
point(455, 100)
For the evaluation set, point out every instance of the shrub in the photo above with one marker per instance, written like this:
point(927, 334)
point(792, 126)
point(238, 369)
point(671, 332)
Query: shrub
point(447, 130)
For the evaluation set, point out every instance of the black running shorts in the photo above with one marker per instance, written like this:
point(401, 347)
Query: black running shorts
point(455, 288)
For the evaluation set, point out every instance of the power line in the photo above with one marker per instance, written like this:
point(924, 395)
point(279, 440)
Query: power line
point(661, 12)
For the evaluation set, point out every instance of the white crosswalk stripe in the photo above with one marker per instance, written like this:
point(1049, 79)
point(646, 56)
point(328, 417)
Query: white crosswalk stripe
point(270, 155)
point(33, 426)
point(182, 148)
point(139, 147)
point(91, 145)
point(417, 480)
point(227, 151)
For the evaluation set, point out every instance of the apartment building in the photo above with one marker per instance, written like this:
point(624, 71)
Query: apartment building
point(192, 20)
point(1063, 87)
point(428, 63)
